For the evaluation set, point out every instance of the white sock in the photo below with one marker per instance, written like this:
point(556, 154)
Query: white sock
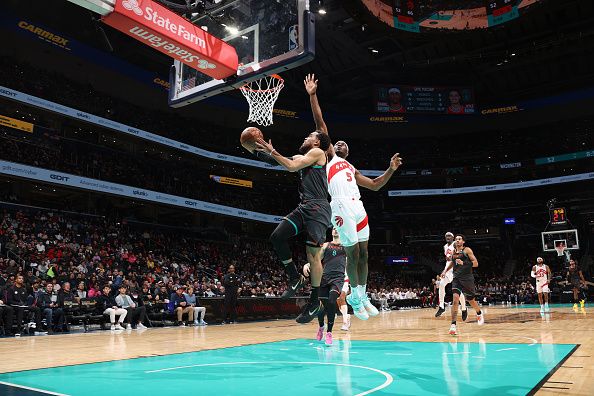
point(344, 310)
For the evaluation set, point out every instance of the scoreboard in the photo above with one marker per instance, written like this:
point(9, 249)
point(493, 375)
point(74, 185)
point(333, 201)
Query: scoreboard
point(423, 99)
point(406, 15)
point(558, 216)
point(501, 11)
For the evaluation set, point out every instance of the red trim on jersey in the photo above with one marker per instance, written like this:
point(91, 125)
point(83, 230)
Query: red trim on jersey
point(337, 167)
point(362, 224)
point(544, 284)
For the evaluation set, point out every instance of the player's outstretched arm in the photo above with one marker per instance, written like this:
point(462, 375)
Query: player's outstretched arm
point(311, 86)
point(380, 181)
point(295, 163)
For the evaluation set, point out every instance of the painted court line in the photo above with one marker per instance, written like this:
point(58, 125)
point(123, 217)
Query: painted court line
point(387, 382)
point(32, 389)
point(398, 354)
point(505, 349)
point(456, 353)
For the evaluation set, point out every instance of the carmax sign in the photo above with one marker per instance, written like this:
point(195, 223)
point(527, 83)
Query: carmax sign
point(156, 26)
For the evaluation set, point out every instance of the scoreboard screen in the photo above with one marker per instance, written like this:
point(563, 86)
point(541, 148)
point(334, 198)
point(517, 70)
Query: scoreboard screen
point(558, 216)
point(406, 15)
point(417, 99)
point(501, 11)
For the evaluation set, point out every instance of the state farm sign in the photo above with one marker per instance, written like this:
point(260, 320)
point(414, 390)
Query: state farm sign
point(155, 25)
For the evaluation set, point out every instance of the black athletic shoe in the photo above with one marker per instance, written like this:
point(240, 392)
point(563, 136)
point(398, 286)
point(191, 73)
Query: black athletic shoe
point(464, 315)
point(309, 312)
point(439, 312)
point(293, 286)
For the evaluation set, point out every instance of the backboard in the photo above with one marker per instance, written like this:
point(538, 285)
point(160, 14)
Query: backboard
point(551, 239)
point(269, 36)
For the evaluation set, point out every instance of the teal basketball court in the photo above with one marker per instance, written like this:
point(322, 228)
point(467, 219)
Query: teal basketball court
point(306, 367)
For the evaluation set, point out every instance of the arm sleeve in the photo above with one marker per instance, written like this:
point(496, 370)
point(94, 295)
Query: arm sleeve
point(532, 274)
point(265, 157)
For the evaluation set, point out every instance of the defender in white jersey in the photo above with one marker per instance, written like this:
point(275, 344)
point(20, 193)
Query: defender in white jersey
point(448, 250)
point(542, 273)
point(348, 214)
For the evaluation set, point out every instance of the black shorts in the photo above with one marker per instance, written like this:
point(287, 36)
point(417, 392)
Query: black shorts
point(328, 286)
point(313, 218)
point(464, 286)
point(575, 283)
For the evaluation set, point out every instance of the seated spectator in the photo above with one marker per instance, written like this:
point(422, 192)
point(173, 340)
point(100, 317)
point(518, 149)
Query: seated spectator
point(6, 313)
point(80, 291)
point(135, 313)
point(106, 305)
point(181, 307)
point(18, 299)
point(47, 302)
point(194, 303)
point(138, 301)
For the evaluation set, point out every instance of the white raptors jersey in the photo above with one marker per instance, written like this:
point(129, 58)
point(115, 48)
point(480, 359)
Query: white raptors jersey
point(448, 250)
point(541, 273)
point(341, 179)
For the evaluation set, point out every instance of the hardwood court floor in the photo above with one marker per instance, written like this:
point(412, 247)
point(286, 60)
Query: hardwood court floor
point(573, 374)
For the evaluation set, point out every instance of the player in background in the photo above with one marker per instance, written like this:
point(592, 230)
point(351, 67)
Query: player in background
point(463, 261)
point(312, 215)
point(342, 304)
point(334, 259)
point(448, 250)
point(576, 279)
point(348, 213)
point(542, 273)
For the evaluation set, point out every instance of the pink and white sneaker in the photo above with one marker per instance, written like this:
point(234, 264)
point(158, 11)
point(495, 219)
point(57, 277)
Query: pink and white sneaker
point(328, 338)
point(320, 334)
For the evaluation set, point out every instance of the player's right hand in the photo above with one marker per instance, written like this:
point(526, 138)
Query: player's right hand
point(311, 84)
point(395, 161)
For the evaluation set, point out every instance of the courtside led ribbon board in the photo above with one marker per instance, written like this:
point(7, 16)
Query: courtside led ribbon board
point(162, 29)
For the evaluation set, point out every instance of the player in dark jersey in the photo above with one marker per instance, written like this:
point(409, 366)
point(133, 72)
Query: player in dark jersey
point(311, 216)
point(463, 261)
point(576, 280)
point(334, 260)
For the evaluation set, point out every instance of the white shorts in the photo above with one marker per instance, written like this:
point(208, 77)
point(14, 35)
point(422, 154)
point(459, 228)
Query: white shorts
point(350, 220)
point(542, 287)
point(448, 278)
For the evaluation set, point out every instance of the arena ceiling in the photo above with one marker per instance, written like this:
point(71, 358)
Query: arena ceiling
point(550, 49)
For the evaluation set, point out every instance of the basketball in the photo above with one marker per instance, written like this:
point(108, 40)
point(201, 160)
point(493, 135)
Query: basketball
point(248, 137)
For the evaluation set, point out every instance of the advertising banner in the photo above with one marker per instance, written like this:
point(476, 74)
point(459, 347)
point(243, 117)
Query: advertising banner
point(66, 179)
point(156, 26)
point(16, 124)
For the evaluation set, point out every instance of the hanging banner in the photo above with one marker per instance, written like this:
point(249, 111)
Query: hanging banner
point(232, 181)
point(156, 26)
point(16, 124)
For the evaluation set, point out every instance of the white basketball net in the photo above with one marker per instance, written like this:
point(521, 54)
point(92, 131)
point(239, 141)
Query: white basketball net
point(261, 96)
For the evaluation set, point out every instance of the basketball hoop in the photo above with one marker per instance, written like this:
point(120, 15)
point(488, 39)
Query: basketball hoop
point(261, 96)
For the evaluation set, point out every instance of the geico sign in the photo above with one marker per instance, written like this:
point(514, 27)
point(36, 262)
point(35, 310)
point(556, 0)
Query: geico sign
point(155, 25)
point(59, 177)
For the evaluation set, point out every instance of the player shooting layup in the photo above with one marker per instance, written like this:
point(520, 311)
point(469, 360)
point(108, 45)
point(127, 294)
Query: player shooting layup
point(312, 216)
point(448, 250)
point(542, 273)
point(348, 214)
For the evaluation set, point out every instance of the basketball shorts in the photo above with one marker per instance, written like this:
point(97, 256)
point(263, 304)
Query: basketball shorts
point(448, 278)
point(330, 286)
point(542, 286)
point(350, 220)
point(464, 286)
point(313, 218)
point(575, 283)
